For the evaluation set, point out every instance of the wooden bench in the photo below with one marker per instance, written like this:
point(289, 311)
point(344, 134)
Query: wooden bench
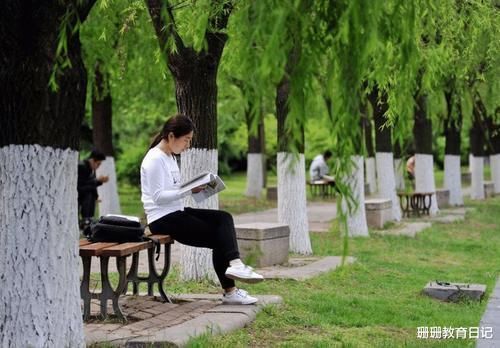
point(121, 251)
point(321, 188)
point(416, 203)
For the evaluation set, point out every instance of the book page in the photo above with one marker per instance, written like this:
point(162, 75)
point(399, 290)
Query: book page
point(214, 186)
point(201, 179)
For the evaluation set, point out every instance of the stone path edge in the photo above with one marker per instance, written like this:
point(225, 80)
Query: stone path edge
point(218, 320)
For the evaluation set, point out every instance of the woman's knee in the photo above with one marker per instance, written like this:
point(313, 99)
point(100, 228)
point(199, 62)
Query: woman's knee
point(223, 216)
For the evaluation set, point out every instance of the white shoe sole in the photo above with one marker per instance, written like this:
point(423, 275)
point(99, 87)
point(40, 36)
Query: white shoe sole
point(233, 303)
point(245, 280)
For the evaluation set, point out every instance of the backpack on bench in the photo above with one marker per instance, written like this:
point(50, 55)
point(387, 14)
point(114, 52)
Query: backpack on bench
point(119, 229)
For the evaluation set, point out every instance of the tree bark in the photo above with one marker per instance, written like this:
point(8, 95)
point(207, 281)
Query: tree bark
point(383, 138)
point(102, 132)
point(424, 160)
point(384, 159)
point(256, 162)
point(102, 113)
point(477, 147)
point(39, 139)
point(422, 127)
point(452, 170)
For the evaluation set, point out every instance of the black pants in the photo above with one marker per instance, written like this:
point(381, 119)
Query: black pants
point(204, 228)
point(86, 204)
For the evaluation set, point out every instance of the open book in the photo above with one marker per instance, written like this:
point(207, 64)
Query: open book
point(212, 181)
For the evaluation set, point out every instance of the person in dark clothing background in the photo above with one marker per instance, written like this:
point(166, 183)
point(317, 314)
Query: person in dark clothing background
point(87, 186)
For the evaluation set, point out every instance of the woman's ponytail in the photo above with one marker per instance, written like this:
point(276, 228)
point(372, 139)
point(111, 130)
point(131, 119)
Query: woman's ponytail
point(156, 140)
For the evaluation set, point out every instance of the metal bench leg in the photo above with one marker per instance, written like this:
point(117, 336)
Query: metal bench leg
point(133, 274)
point(107, 290)
point(154, 277)
point(84, 287)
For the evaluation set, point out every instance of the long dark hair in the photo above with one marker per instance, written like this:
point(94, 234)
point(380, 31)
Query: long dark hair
point(179, 125)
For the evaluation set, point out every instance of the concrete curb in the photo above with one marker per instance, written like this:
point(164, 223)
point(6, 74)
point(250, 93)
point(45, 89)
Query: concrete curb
point(491, 318)
point(218, 320)
point(308, 271)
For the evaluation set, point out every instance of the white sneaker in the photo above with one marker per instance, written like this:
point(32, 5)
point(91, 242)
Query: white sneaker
point(238, 297)
point(243, 273)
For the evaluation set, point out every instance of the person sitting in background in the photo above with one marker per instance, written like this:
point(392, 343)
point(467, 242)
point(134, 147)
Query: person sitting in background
point(87, 186)
point(410, 167)
point(319, 169)
point(410, 170)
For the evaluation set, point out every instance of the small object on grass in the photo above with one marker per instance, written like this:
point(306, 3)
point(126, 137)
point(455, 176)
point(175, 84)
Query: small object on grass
point(454, 292)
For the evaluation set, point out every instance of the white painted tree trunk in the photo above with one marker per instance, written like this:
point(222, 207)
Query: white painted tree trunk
point(424, 178)
point(495, 172)
point(386, 182)
point(292, 204)
point(399, 171)
point(477, 178)
point(453, 179)
point(356, 219)
point(108, 192)
point(39, 266)
point(196, 263)
point(255, 175)
point(371, 177)
point(470, 162)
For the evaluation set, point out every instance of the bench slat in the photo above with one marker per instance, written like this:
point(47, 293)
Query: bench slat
point(162, 238)
point(84, 242)
point(125, 249)
point(94, 249)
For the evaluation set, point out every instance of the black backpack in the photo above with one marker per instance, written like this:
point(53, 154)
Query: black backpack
point(119, 229)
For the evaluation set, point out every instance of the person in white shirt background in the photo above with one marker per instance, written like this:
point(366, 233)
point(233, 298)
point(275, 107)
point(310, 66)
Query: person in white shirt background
point(319, 169)
point(207, 228)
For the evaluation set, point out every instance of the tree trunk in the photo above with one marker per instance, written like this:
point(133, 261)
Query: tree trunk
point(494, 134)
point(424, 160)
point(292, 201)
point(255, 158)
point(195, 76)
point(399, 167)
point(356, 216)
point(371, 178)
point(386, 181)
point(39, 266)
point(452, 170)
point(477, 143)
point(102, 113)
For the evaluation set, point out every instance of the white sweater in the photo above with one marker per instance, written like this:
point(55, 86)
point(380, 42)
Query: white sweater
point(160, 183)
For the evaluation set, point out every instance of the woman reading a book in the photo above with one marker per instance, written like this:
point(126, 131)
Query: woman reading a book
point(165, 211)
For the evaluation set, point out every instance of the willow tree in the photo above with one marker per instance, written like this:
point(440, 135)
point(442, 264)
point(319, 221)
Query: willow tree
point(192, 38)
point(39, 283)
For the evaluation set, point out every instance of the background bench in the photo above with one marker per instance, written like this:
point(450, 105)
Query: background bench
point(121, 251)
point(321, 188)
point(415, 203)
